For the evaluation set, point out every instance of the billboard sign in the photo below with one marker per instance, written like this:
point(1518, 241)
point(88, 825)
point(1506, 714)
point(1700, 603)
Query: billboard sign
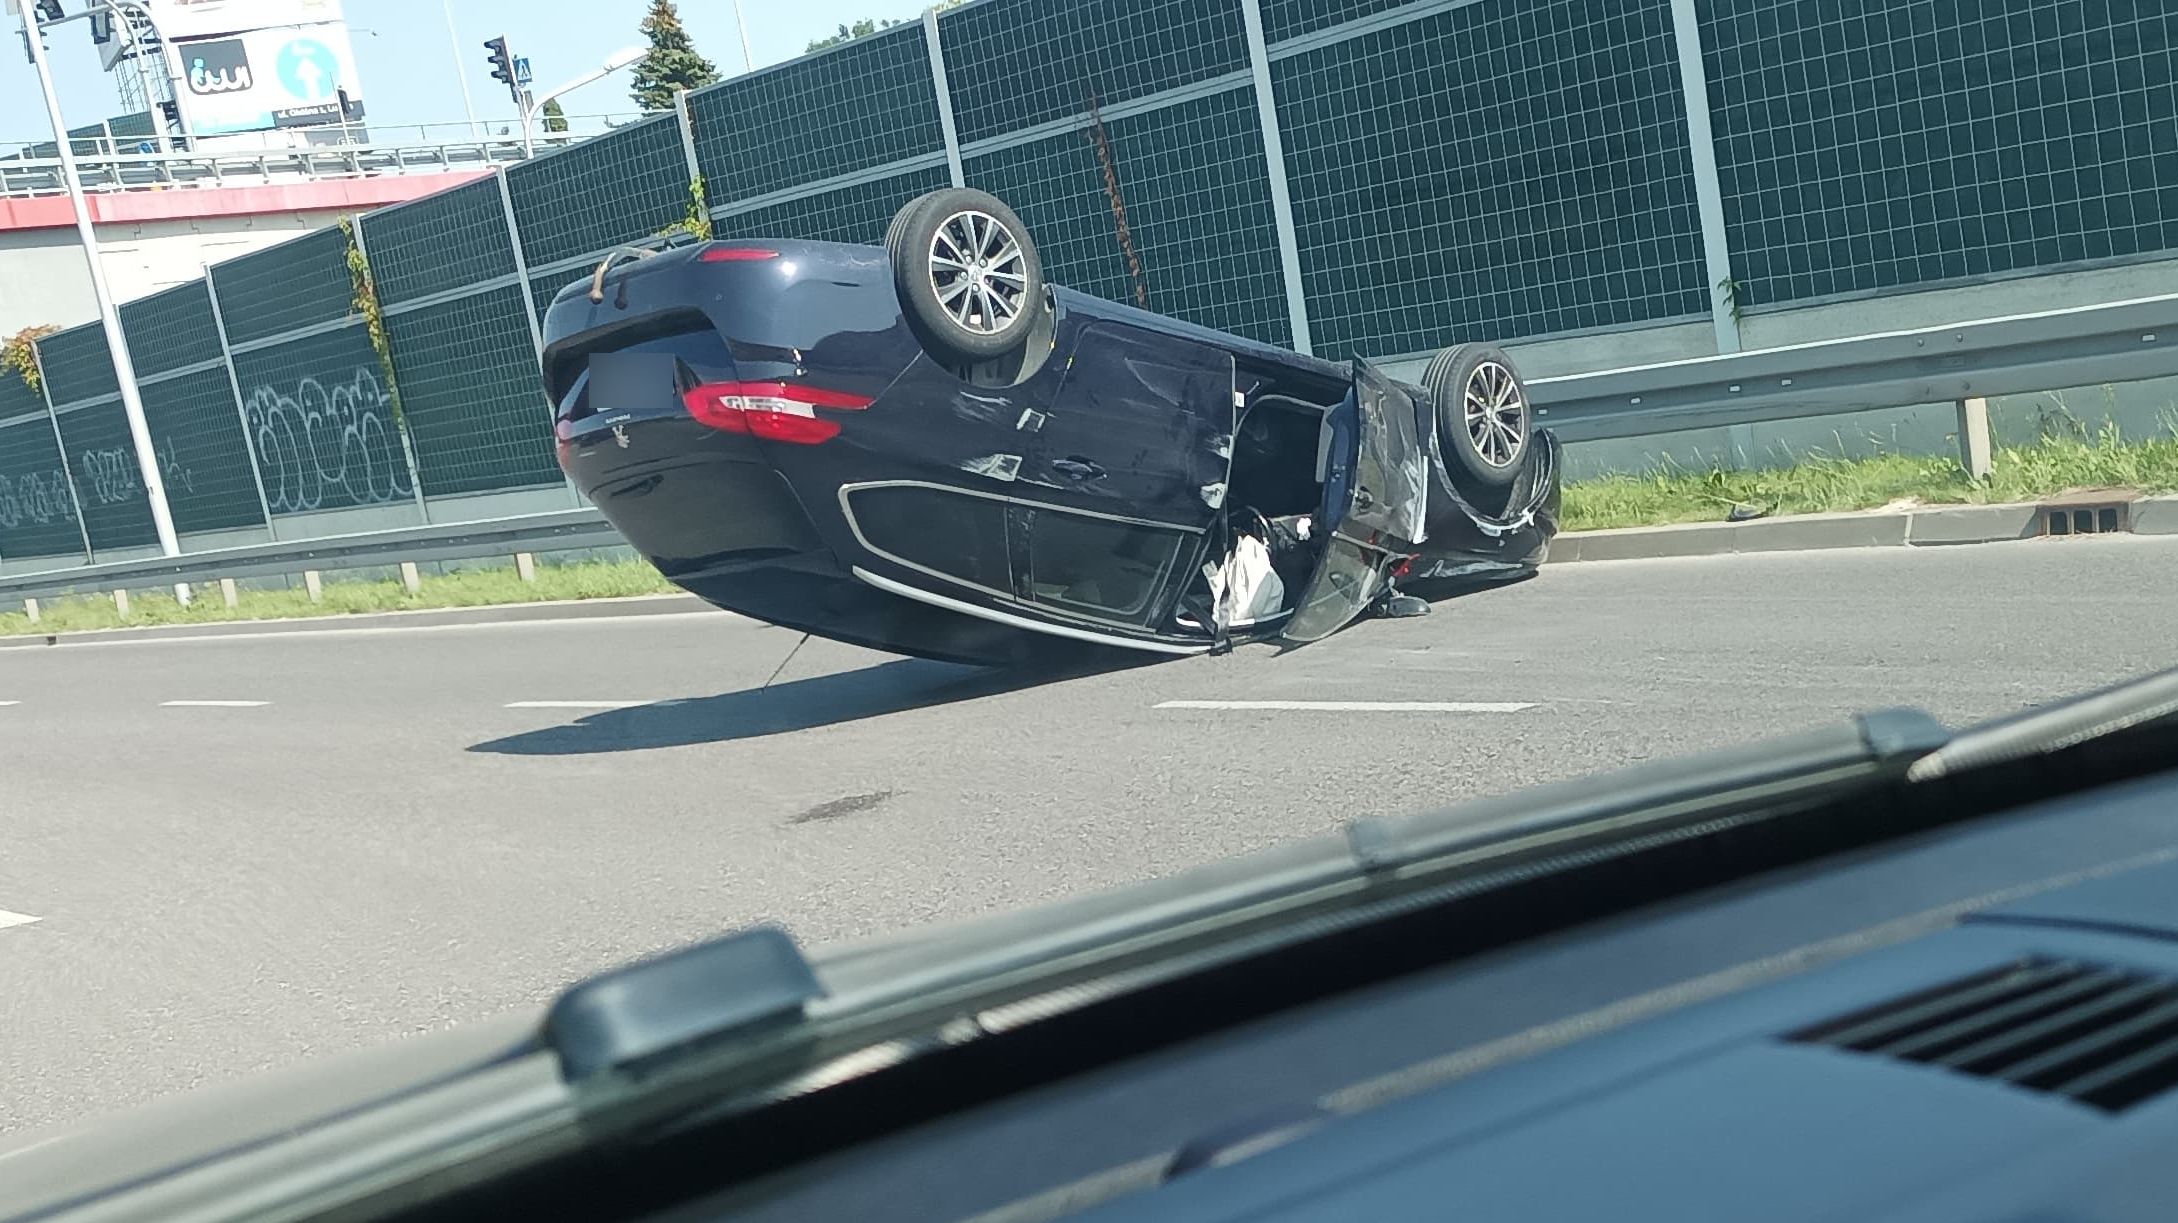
point(180, 19)
point(290, 76)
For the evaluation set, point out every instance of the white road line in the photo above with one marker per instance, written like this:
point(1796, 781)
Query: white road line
point(1360, 706)
point(380, 630)
point(14, 919)
point(577, 704)
point(213, 704)
point(5, 704)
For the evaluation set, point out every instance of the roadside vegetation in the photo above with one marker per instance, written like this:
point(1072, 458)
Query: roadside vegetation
point(468, 588)
point(1820, 484)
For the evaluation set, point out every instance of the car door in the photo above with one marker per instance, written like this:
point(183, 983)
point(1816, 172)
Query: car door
point(1125, 475)
point(1141, 425)
point(1376, 496)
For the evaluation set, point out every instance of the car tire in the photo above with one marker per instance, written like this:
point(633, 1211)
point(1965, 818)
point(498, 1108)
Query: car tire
point(968, 276)
point(1485, 425)
point(899, 219)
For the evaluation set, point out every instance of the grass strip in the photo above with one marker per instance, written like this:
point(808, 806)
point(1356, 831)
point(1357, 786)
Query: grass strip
point(1823, 484)
point(466, 588)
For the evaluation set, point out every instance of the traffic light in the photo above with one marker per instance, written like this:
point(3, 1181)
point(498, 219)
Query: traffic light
point(502, 61)
point(50, 10)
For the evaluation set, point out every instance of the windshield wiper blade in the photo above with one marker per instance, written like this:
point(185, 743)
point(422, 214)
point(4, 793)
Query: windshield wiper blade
point(733, 986)
point(2054, 728)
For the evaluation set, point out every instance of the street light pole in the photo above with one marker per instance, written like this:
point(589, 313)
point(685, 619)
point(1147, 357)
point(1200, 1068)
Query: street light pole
point(132, 405)
point(620, 59)
point(748, 61)
point(461, 74)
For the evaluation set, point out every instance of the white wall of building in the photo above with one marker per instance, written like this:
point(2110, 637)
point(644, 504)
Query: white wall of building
point(43, 278)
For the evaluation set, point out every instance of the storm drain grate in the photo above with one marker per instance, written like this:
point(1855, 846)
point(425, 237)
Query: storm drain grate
point(2105, 1037)
point(2087, 519)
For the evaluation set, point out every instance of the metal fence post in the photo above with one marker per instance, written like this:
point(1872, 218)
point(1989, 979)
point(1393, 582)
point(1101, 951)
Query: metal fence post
point(1274, 159)
point(241, 411)
point(521, 263)
point(60, 447)
point(945, 97)
point(1975, 454)
point(400, 426)
point(1708, 193)
point(687, 121)
point(529, 308)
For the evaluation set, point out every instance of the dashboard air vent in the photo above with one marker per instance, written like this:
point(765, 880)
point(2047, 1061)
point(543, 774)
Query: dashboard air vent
point(2106, 1037)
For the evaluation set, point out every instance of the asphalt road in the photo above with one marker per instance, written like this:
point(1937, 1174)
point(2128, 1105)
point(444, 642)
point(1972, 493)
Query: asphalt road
point(392, 841)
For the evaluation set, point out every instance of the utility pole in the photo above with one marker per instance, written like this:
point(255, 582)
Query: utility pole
point(117, 344)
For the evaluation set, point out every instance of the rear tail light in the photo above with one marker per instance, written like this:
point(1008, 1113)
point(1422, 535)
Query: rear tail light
point(775, 411)
point(736, 254)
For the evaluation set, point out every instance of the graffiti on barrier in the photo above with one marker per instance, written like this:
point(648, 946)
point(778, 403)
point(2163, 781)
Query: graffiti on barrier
point(322, 445)
point(108, 476)
point(37, 498)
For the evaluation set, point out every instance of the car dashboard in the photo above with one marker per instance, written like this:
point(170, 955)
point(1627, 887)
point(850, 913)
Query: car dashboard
point(1978, 1023)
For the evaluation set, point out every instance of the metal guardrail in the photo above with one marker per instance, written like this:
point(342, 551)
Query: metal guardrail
point(558, 531)
point(146, 171)
point(110, 162)
point(2051, 350)
point(2123, 341)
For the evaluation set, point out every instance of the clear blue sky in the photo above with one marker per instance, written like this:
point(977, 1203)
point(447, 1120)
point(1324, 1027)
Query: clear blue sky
point(408, 64)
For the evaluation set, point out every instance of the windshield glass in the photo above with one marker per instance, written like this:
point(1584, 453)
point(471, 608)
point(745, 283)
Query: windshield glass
point(545, 485)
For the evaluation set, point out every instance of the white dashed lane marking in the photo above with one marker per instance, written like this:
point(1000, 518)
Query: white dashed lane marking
point(14, 919)
point(213, 704)
point(1359, 706)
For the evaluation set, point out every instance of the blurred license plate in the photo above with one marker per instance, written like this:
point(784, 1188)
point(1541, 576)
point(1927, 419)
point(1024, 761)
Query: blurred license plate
point(632, 382)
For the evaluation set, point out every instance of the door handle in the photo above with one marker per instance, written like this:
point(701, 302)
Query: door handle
point(1077, 469)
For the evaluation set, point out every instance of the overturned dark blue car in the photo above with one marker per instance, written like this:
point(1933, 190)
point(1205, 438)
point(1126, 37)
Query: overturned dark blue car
point(926, 449)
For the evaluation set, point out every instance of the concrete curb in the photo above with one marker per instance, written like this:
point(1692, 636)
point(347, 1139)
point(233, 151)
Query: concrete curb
point(1930, 526)
point(503, 613)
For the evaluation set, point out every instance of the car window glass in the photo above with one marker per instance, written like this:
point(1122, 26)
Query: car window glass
point(1097, 564)
point(936, 530)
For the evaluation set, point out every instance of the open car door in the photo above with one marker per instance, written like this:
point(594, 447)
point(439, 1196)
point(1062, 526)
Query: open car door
point(1375, 496)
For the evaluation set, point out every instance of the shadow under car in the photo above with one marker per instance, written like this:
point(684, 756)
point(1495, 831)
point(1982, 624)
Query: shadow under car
point(803, 704)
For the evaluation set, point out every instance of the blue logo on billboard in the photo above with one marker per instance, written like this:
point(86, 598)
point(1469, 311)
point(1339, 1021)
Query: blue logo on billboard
point(308, 70)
